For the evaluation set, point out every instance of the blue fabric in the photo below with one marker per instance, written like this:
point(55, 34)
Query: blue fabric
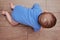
point(27, 16)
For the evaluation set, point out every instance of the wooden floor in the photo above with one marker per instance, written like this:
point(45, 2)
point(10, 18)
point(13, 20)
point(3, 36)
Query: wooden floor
point(22, 32)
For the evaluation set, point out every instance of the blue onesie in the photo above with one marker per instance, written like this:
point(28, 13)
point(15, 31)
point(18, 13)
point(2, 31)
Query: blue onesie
point(27, 16)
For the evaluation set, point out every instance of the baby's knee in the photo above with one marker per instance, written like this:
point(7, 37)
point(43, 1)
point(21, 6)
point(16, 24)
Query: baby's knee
point(12, 23)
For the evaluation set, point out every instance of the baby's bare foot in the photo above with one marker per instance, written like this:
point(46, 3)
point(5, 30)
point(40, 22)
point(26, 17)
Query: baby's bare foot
point(3, 12)
point(11, 5)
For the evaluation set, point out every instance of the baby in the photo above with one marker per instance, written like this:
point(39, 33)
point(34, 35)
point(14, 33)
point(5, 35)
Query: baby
point(33, 17)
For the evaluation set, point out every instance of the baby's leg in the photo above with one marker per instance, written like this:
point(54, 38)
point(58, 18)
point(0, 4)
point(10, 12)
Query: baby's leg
point(12, 6)
point(9, 18)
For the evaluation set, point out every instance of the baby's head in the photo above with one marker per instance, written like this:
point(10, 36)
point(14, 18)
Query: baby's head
point(47, 19)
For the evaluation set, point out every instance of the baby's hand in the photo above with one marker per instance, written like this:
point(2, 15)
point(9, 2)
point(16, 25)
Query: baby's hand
point(45, 11)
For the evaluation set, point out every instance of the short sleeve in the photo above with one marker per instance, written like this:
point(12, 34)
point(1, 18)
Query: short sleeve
point(35, 6)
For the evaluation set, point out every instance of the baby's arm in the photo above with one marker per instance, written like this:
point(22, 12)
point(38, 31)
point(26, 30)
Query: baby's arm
point(9, 18)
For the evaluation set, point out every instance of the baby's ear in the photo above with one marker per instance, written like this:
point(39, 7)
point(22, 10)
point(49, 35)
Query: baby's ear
point(45, 11)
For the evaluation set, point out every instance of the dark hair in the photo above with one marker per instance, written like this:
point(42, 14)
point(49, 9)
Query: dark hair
point(47, 19)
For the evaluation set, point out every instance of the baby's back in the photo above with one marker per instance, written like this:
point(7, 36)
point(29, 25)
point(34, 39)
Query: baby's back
point(27, 16)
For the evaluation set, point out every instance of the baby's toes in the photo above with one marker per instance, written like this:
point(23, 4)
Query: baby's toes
point(3, 12)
